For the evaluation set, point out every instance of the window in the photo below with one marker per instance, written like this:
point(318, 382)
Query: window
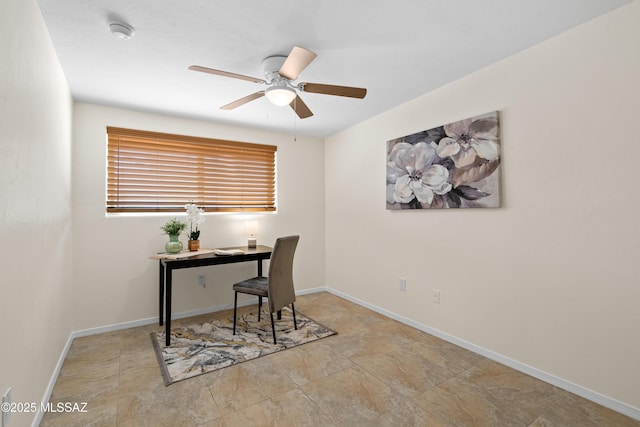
point(158, 172)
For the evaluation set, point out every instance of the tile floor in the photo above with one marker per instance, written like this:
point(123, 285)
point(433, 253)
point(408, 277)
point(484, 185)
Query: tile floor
point(375, 372)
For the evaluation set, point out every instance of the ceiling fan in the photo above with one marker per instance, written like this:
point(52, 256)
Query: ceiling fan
point(279, 73)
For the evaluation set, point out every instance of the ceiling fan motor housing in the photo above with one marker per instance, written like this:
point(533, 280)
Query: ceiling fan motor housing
point(271, 66)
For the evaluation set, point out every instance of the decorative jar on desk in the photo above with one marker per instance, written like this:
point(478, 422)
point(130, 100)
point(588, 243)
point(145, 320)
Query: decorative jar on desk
point(174, 245)
point(173, 228)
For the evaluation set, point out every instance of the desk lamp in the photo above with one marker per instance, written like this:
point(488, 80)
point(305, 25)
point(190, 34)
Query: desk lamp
point(252, 231)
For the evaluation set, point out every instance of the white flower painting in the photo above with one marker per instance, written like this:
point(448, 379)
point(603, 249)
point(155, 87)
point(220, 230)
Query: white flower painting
point(451, 166)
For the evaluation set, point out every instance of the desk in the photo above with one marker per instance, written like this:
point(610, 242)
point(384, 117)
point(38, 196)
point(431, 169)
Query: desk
point(168, 265)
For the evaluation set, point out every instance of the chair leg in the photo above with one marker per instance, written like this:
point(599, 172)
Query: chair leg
point(235, 311)
point(273, 328)
point(293, 310)
point(259, 306)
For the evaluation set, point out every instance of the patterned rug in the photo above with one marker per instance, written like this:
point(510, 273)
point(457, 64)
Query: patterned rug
point(205, 347)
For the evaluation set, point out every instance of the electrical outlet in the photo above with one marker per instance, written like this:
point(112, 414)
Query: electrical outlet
point(403, 285)
point(201, 281)
point(436, 296)
point(6, 405)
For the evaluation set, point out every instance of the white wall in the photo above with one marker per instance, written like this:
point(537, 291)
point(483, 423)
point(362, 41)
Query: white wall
point(551, 279)
point(115, 282)
point(35, 205)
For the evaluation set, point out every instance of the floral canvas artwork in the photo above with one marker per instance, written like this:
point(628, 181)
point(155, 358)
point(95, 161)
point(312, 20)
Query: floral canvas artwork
point(451, 166)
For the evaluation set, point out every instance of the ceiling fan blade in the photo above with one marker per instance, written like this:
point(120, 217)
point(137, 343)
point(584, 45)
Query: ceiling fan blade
point(225, 74)
point(237, 103)
point(348, 91)
point(300, 108)
point(299, 58)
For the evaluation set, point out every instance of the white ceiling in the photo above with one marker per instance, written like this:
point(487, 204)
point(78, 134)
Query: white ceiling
point(397, 49)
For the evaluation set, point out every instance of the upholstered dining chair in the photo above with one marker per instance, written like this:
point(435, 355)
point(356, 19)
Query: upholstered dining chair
point(277, 287)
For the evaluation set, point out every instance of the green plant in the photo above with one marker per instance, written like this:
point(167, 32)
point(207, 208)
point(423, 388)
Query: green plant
point(173, 227)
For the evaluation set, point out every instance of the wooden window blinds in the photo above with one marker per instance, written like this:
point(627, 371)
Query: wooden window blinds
point(159, 172)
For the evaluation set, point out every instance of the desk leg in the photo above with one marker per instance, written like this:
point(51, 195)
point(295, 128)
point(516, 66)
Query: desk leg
point(259, 267)
point(168, 309)
point(161, 290)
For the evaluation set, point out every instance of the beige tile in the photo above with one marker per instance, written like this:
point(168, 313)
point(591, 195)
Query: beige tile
point(186, 403)
point(95, 416)
point(379, 339)
point(338, 314)
point(488, 394)
point(352, 397)
point(83, 367)
point(137, 340)
point(90, 372)
point(460, 403)
point(240, 386)
point(323, 303)
point(139, 373)
point(218, 422)
point(311, 361)
point(94, 388)
point(293, 408)
point(523, 396)
point(407, 414)
point(572, 410)
point(345, 326)
point(96, 347)
point(404, 371)
point(451, 358)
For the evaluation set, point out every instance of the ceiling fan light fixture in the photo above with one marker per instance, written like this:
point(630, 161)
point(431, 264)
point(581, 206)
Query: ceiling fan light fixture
point(280, 95)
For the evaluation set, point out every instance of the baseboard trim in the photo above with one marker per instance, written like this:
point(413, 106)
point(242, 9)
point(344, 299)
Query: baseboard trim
point(52, 381)
point(581, 391)
point(584, 392)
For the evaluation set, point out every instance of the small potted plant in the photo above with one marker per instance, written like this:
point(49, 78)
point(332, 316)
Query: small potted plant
point(194, 219)
point(173, 228)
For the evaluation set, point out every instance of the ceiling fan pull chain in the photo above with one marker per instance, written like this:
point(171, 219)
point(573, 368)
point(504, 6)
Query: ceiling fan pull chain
point(295, 120)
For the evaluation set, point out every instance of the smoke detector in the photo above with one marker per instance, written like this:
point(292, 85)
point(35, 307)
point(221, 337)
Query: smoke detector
point(121, 30)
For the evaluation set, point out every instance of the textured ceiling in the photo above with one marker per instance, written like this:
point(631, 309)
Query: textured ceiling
point(397, 49)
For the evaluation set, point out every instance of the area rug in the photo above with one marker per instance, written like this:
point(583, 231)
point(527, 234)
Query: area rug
point(205, 347)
